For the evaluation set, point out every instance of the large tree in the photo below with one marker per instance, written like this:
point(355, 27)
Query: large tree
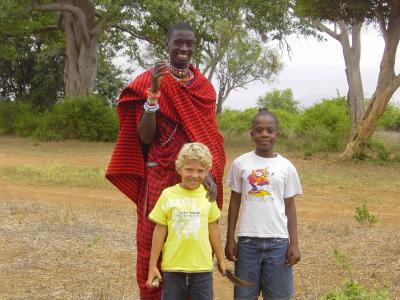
point(347, 18)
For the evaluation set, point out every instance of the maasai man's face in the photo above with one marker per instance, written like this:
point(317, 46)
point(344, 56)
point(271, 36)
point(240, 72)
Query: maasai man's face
point(192, 174)
point(264, 133)
point(181, 47)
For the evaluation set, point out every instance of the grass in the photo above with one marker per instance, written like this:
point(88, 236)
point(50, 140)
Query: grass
point(67, 234)
point(54, 175)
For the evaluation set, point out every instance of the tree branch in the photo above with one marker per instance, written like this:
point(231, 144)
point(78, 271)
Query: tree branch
point(68, 8)
point(132, 33)
point(325, 29)
point(99, 28)
point(381, 21)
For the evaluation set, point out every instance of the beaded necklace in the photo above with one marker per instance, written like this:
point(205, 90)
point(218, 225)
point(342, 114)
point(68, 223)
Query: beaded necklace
point(170, 137)
point(179, 73)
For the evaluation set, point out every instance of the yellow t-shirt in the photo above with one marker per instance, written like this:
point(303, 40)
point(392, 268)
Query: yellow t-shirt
point(187, 214)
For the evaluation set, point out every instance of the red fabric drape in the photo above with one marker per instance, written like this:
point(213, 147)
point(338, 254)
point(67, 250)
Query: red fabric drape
point(193, 106)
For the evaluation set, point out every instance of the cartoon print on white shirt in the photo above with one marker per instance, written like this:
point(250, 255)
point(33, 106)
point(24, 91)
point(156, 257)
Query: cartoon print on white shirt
point(259, 181)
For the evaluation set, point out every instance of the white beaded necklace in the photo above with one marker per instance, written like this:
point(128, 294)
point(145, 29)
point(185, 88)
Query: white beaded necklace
point(170, 136)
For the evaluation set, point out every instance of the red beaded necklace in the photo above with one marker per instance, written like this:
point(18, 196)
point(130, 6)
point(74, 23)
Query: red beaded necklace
point(177, 72)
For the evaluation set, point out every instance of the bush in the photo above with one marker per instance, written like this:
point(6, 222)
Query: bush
point(352, 290)
point(324, 127)
point(86, 118)
point(237, 121)
point(391, 118)
point(12, 114)
point(364, 216)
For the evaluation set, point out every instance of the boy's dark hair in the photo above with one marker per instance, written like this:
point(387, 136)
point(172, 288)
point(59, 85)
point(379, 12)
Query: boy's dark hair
point(265, 112)
point(179, 26)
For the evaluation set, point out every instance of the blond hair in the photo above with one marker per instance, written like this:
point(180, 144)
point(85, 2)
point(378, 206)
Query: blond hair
point(194, 151)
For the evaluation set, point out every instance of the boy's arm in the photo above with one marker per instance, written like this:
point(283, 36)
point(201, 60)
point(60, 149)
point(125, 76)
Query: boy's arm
point(215, 241)
point(159, 234)
point(293, 256)
point(233, 212)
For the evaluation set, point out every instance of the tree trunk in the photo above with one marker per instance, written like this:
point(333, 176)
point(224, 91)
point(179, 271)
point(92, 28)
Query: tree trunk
point(220, 100)
point(352, 54)
point(367, 126)
point(81, 54)
point(388, 83)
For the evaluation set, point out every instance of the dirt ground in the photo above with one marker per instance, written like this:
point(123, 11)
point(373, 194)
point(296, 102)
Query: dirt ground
point(78, 242)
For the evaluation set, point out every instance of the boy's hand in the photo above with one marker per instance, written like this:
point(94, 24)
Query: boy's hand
point(230, 249)
point(211, 188)
point(222, 266)
point(293, 255)
point(153, 274)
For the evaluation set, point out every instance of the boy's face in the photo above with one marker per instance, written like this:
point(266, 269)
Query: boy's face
point(264, 134)
point(193, 174)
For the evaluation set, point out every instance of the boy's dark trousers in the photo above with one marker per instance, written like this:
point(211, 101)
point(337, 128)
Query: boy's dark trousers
point(179, 285)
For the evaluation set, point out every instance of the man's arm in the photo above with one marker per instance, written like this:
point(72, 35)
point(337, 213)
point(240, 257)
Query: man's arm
point(233, 212)
point(293, 256)
point(147, 125)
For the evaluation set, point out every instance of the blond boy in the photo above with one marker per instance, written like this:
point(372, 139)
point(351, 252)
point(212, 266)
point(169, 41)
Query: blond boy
point(186, 231)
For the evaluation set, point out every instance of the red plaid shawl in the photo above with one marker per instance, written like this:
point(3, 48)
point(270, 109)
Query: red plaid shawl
point(193, 106)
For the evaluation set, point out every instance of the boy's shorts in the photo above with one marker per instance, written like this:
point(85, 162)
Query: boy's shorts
point(177, 285)
point(263, 261)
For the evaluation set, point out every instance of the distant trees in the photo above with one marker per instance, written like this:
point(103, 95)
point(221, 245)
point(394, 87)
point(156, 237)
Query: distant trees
point(347, 19)
point(279, 99)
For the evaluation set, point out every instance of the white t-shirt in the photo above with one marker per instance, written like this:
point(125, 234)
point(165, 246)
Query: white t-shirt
point(264, 184)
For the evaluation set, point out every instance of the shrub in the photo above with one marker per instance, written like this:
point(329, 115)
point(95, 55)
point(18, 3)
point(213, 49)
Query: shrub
point(364, 216)
point(324, 127)
point(391, 118)
point(85, 118)
point(233, 120)
point(352, 290)
point(12, 114)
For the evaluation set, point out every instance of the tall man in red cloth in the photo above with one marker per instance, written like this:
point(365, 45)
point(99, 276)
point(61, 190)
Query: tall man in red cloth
point(163, 108)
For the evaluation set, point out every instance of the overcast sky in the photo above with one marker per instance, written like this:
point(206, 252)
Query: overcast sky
point(316, 71)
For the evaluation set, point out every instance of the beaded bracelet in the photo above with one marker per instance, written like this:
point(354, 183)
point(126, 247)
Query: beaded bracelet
point(150, 94)
point(150, 108)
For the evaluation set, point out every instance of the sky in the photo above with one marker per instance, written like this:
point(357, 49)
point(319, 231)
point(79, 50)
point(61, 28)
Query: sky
point(315, 71)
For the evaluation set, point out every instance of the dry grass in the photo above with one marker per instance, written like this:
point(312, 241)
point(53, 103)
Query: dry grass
point(66, 234)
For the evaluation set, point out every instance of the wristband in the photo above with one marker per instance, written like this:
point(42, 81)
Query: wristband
point(150, 108)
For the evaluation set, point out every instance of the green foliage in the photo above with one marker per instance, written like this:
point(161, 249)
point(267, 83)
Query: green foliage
point(328, 10)
point(375, 150)
point(324, 127)
point(277, 99)
point(352, 290)
point(391, 118)
point(363, 215)
point(88, 119)
point(84, 118)
point(341, 260)
point(109, 81)
point(12, 117)
point(239, 121)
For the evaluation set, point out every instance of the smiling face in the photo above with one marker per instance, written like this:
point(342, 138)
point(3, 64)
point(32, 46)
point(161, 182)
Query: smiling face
point(181, 47)
point(264, 133)
point(193, 173)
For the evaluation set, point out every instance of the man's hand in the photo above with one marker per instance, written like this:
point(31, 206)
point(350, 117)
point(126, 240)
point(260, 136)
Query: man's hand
point(211, 188)
point(160, 69)
point(293, 255)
